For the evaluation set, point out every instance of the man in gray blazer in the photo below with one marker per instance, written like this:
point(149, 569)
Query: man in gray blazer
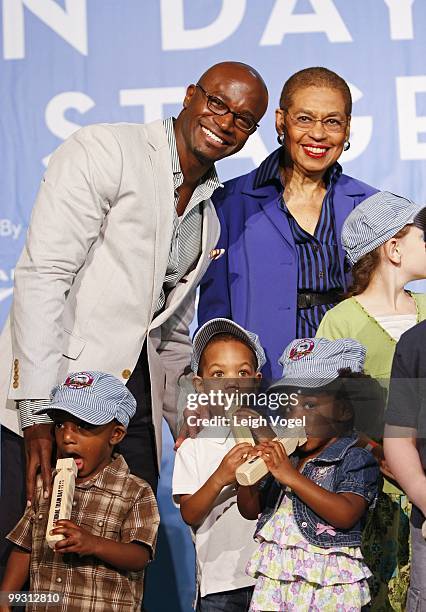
point(119, 238)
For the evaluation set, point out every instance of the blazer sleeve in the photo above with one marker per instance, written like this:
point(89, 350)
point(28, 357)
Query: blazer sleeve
point(215, 300)
point(76, 193)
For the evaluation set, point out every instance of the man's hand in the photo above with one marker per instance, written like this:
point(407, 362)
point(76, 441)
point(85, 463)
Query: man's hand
point(193, 427)
point(38, 451)
point(184, 432)
point(77, 540)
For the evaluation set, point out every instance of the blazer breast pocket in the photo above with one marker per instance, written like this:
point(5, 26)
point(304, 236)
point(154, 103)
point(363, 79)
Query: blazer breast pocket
point(72, 345)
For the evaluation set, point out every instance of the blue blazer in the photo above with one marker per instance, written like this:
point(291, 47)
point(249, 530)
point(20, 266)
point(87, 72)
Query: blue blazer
point(255, 282)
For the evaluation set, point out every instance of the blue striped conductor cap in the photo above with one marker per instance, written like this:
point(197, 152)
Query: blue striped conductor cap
point(316, 362)
point(224, 326)
point(95, 397)
point(376, 220)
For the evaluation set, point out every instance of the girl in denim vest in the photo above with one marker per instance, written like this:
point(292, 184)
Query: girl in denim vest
point(313, 504)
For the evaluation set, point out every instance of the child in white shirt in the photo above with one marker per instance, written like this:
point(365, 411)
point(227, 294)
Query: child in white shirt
point(226, 357)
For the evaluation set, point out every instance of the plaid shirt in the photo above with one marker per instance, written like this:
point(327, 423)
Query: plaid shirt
point(114, 504)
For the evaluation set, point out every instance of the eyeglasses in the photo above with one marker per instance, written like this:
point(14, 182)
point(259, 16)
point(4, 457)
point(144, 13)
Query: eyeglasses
point(218, 107)
point(304, 123)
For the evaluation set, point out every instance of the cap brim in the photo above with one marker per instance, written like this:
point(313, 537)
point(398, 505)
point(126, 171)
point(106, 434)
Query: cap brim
point(99, 417)
point(302, 383)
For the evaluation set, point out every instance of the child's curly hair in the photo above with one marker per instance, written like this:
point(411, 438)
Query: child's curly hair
point(365, 397)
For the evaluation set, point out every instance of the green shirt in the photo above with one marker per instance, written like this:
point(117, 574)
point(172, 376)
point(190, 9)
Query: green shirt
point(350, 320)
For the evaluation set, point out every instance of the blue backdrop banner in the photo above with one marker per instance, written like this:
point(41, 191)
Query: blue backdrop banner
point(69, 63)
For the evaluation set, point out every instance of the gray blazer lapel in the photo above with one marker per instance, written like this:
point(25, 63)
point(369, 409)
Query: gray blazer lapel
point(163, 207)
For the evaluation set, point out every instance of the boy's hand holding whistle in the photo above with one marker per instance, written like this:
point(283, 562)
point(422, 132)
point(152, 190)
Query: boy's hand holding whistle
point(225, 473)
point(62, 535)
point(73, 539)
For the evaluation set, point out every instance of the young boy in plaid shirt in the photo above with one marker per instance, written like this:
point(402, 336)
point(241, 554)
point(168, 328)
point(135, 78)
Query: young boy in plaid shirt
point(111, 536)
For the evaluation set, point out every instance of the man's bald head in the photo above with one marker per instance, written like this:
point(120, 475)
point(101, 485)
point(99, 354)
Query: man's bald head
point(211, 126)
point(239, 70)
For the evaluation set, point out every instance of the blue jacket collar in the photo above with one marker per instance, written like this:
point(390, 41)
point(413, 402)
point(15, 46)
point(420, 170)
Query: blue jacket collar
point(336, 451)
point(268, 172)
point(264, 185)
point(264, 177)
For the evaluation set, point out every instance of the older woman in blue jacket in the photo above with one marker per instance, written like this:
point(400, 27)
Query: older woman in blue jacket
point(283, 265)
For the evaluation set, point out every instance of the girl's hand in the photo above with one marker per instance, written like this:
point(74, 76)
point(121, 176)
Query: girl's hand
point(225, 473)
point(378, 453)
point(276, 459)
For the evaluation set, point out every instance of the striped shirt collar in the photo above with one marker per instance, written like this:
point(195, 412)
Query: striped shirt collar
point(268, 171)
point(210, 179)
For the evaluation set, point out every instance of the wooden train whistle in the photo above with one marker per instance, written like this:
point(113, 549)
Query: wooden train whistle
point(241, 433)
point(62, 497)
point(252, 470)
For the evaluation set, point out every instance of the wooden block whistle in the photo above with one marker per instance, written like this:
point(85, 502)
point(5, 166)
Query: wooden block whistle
point(241, 433)
point(252, 470)
point(62, 497)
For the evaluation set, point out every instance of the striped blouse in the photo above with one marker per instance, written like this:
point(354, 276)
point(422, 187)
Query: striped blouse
point(317, 254)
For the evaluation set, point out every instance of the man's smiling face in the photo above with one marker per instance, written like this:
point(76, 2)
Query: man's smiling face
point(209, 137)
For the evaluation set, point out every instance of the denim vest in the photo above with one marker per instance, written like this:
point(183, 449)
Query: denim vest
point(340, 468)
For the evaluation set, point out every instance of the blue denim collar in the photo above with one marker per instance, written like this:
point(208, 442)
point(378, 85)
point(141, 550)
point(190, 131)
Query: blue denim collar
point(336, 451)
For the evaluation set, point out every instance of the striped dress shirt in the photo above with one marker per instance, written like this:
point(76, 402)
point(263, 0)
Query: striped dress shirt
point(185, 249)
point(317, 254)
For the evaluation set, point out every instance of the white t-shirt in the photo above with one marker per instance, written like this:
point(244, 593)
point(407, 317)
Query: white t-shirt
point(396, 325)
point(224, 540)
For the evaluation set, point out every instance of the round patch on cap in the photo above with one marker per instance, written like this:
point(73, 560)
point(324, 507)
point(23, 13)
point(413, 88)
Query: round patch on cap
point(79, 380)
point(302, 348)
